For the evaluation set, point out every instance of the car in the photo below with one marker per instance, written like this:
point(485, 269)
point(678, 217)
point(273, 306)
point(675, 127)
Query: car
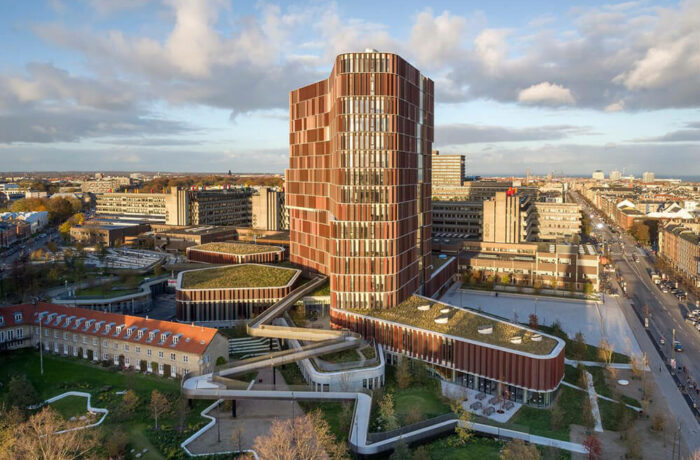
point(662, 341)
point(677, 346)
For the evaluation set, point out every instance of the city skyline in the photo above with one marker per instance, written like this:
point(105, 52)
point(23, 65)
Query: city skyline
point(184, 86)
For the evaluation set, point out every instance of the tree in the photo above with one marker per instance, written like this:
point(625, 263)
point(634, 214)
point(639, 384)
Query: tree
point(640, 232)
point(587, 413)
point(307, 437)
point(130, 402)
point(605, 351)
point(37, 438)
point(533, 321)
point(579, 346)
point(115, 443)
point(159, 405)
point(556, 419)
point(401, 450)
point(403, 373)
point(21, 392)
point(505, 279)
point(463, 428)
point(658, 422)
point(387, 412)
point(518, 450)
point(10, 419)
point(593, 447)
point(237, 437)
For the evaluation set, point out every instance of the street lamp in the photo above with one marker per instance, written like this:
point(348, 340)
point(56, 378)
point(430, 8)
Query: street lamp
point(35, 301)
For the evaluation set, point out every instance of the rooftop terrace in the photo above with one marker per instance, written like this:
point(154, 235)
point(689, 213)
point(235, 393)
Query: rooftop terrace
point(428, 314)
point(238, 276)
point(240, 249)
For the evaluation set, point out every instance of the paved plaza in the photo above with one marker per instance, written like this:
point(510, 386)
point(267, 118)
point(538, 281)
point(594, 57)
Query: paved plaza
point(594, 319)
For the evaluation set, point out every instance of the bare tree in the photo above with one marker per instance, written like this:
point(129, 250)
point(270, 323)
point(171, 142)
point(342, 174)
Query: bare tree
point(605, 351)
point(306, 437)
point(237, 437)
point(593, 447)
point(37, 438)
point(159, 405)
point(387, 412)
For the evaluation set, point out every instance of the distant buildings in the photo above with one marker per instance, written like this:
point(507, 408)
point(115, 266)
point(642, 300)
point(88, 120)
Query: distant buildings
point(37, 220)
point(560, 222)
point(448, 170)
point(648, 177)
point(679, 245)
point(598, 175)
point(101, 185)
point(615, 175)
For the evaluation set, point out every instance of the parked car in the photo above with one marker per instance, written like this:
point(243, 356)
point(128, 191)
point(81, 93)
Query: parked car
point(677, 346)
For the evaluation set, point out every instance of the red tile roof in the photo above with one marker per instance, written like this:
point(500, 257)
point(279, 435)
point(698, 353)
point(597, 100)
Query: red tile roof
point(191, 339)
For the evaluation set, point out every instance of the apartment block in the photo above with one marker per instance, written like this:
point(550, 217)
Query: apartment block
point(679, 244)
point(559, 222)
point(162, 347)
point(448, 170)
point(358, 183)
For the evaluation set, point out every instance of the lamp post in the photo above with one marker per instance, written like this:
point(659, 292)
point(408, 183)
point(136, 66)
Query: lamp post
point(35, 301)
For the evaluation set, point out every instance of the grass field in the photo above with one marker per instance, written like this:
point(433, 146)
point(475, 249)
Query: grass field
point(63, 374)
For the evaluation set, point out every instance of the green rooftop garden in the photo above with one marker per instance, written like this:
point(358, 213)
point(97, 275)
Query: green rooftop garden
point(461, 323)
point(240, 249)
point(237, 276)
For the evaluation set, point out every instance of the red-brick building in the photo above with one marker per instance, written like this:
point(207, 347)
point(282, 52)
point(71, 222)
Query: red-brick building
point(358, 183)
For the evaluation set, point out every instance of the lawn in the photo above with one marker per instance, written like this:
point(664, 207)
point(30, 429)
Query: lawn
point(343, 356)
point(63, 374)
point(538, 421)
point(425, 397)
point(235, 248)
point(477, 448)
point(70, 406)
point(237, 276)
point(591, 352)
point(323, 290)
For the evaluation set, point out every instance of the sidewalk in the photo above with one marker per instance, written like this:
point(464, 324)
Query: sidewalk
point(668, 390)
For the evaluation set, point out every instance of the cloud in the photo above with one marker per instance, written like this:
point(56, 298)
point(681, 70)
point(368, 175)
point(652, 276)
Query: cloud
point(435, 40)
point(615, 106)
point(691, 133)
point(460, 133)
point(546, 93)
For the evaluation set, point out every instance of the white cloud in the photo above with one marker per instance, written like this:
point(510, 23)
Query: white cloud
point(618, 106)
point(435, 40)
point(546, 93)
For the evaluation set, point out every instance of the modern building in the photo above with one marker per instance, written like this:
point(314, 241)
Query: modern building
point(508, 218)
point(538, 265)
point(268, 209)
point(477, 190)
point(448, 170)
point(235, 253)
point(160, 347)
point(615, 175)
point(457, 219)
point(107, 231)
point(112, 184)
point(223, 295)
point(560, 222)
point(358, 183)
point(179, 238)
point(648, 177)
point(228, 206)
point(598, 175)
point(463, 346)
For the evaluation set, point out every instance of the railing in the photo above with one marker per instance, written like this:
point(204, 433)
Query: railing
point(377, 437)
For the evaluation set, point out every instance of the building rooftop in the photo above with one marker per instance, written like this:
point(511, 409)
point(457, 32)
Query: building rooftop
point(238, 276)
point(165, 334)
point(236, 248)
point(428, 314)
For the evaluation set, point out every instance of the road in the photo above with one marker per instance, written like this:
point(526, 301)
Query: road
point(34, 243)
point(666, 314)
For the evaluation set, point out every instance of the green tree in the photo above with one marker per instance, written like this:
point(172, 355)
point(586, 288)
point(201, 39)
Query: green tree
point(130, 402)
point(403, 373)
point(387, 413)
point(464, 418)
point(21, 392)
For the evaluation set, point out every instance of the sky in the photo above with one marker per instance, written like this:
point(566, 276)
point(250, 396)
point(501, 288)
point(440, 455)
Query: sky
point(202, 85)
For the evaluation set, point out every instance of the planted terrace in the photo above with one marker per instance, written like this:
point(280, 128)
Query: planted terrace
point(424, 313)
point(238, 276)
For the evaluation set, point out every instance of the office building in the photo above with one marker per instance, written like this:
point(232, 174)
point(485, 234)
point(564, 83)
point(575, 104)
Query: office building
point(268, 209)
point(507, 218)
point(457, 219)
point(615, 175)
point(448, 170)
point(598, 175)
point(478, 190)
point(648, 177)
point(358, 183)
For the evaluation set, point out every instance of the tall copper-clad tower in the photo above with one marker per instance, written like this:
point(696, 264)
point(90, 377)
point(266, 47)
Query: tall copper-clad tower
point(358, 183)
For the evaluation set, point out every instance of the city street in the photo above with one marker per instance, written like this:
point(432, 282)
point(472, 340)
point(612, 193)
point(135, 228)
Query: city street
point(666, 314)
